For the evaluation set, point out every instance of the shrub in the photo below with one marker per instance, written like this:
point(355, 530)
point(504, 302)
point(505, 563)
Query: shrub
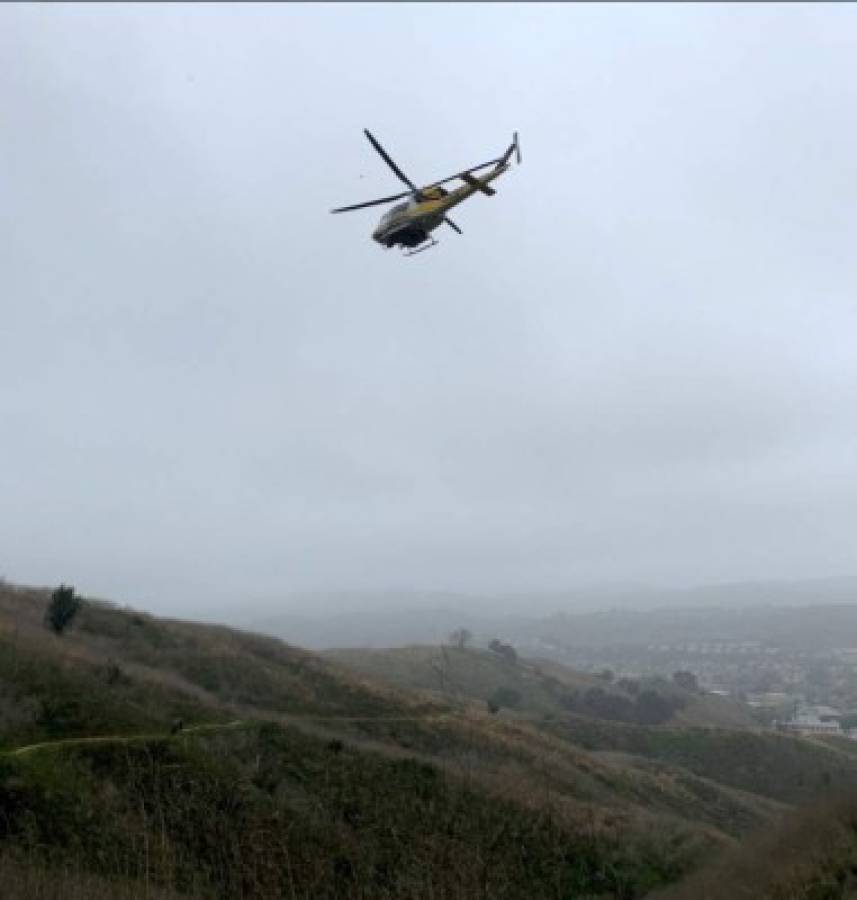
point(505, 696)
point(598, 702)
point(686, 680)
point(629, 686)
point(654, 708)
point(62, 609)
point(506, 651)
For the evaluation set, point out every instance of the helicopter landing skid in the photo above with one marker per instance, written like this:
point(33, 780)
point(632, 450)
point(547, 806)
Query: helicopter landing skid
point(424, 247)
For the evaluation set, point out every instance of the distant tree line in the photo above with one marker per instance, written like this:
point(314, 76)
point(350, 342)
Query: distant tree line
point(627, 700)
point(648, 707)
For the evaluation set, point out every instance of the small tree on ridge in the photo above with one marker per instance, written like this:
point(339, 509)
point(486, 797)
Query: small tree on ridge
point(62, 609)
point(460, 638)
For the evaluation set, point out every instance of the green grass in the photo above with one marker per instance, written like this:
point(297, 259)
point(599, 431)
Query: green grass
point(289, 814)
point(533, 687)
point(451, 672)
point(785, 768)
point(45, 696)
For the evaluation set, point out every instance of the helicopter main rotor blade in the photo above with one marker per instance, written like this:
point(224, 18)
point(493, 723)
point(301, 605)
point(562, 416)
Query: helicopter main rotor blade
point(452, 224)
point(372, 202)
point(385, 156)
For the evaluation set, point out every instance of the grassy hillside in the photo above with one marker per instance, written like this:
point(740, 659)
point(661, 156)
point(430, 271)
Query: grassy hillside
point(331, 787)
point(266, 810)
point(454, 673)
point(536, 687)
point(119, 670)
point(782, 767)
point(812, 855)
point(292, 777)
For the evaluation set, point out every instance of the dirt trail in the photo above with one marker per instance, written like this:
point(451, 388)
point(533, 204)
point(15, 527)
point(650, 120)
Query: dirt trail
point(116, 738)
point(284, 718)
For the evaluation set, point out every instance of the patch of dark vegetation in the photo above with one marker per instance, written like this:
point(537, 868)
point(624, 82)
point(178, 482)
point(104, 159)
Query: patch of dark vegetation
point(505, 697)
point(784, 768)
point(649, 704)
point(43, 697)
point(812, 855)
point(271, 812)
point(62, 609)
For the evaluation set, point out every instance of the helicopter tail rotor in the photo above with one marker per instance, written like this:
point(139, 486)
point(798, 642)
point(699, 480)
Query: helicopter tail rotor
point(513, 148)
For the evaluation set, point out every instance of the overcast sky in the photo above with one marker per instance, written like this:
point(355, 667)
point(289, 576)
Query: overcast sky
point(639, 362)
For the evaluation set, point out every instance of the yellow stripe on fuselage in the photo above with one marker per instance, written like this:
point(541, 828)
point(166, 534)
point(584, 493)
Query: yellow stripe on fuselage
point(430, 209)
point(453, 198)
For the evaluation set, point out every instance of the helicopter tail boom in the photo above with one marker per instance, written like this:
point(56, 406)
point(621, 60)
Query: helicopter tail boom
point(477, 183)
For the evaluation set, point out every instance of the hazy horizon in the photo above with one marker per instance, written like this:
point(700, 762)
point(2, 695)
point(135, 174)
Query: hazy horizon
point(636, 366)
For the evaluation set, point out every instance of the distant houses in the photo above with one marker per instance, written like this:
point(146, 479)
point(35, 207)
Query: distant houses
point(817, 720)
point(770, 700)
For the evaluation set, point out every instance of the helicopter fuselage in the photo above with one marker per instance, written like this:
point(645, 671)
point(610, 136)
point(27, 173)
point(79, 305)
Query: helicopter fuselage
point(409, 224)
point(406, 225)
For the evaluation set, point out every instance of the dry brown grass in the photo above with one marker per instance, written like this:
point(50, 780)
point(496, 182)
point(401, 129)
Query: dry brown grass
point(811, 855)
point(23, 879)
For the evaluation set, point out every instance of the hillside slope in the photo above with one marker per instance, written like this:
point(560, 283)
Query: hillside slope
point(811, 855)
point(286, 802)
point(536, 687)
point(306, 780)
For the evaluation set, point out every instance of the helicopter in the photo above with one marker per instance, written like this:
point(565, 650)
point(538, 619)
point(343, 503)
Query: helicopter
point(409, 224)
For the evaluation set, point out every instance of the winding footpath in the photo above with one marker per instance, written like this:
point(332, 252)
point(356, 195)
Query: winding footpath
point(207, 729)
point(117, 738)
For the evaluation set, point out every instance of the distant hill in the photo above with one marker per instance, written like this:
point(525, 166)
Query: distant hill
point(370, 627)
point(776, 610)
point(534, 687)
point(144, 757)
point(808, 628)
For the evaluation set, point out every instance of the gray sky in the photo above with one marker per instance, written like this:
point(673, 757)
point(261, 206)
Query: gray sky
point(638, 363)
